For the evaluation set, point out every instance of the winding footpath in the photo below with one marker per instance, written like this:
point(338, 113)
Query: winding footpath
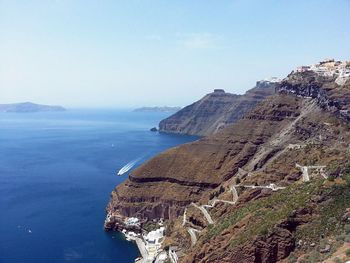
point(193, 236)
point(192, 231)
point(205, 213)
point(305, 171)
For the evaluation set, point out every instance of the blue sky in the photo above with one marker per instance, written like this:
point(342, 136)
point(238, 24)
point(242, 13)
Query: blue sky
point(83, 53)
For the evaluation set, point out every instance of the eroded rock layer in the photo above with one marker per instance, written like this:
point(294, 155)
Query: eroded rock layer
point(163, 186)
point(305, 123)
point(215, 111)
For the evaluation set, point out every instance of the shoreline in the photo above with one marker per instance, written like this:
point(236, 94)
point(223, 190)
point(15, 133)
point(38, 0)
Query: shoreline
point(149, 243)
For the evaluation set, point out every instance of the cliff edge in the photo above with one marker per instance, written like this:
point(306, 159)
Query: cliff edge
point(271, 187)
point(216, 110)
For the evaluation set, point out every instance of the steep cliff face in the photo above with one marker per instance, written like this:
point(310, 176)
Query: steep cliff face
point(304, 123)
point(215, 111)
point(265, 226)
point(269, 229)
point(163, 186)
point(324, 89)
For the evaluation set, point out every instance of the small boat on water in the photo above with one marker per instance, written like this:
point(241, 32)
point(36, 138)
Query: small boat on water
point(126, 168)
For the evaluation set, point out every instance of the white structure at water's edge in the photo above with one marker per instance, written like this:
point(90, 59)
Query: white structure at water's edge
point(154, 241)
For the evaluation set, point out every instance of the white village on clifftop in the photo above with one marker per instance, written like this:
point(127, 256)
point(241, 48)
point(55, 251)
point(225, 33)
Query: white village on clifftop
point(330, 68)
point(150, 243)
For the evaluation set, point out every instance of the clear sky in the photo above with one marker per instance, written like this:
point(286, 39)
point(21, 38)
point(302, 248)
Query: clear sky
point(84, 53)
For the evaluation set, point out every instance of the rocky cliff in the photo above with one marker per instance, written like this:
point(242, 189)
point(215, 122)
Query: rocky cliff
point(163, 186)
point(247, 176)
point(215, 111)
point(324, 89)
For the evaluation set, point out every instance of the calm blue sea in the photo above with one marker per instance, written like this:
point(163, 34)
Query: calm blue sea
point(56, 174)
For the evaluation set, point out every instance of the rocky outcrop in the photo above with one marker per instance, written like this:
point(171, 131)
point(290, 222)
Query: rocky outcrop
point(216, 110)
point(163, 186)
point(262, 225)
point(272, 248)
point(324, 89)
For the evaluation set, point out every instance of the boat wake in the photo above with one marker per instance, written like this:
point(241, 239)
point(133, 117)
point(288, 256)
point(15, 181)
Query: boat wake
point(126, 168)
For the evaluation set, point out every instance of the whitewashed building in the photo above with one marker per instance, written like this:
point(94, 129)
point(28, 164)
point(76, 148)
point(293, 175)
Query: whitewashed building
point(132, 221)
point(154, 241)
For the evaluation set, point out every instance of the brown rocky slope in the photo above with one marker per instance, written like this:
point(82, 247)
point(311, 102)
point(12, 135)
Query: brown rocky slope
point(262, 148)
point(215, 111)
point(163, 186)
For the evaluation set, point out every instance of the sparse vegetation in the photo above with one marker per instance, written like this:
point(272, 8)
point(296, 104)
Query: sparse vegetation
point(284, 203)
point(314, 257)
point(347, 252)
point(347, 229)
point(149, 226)
point(347, 238)
point(340, 237)
point(217, 193)
point(346, 178)
point(292, 258)
point(331, 178)
point(264, 218)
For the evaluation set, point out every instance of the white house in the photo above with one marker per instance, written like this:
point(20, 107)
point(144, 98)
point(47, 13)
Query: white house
point(154, 241)
point(132, 221)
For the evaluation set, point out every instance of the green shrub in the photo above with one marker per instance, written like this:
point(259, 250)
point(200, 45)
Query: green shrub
point(217, 193)
point(264, 231)
point(347, 252)
point(292, 258)
point(323, 243)
point(347, 238)
point(337, 260)
point(314, 257)
point(331, 178)
point(346, 177)
point(347, 229)
point(340, 237)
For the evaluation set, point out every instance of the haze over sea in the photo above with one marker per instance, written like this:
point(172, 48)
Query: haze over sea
point(57, 171)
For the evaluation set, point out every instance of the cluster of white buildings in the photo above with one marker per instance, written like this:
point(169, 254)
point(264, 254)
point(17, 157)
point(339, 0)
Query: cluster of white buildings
point(266, 83)
point(153, 241)
point(149, 244)
point(132, 221)
point(273, 80)
point(330, 68)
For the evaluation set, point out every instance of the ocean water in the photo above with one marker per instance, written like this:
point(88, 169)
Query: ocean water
point(56, 174)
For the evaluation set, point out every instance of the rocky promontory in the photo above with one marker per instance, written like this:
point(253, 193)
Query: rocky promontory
point(271, 187)
point(216, 110)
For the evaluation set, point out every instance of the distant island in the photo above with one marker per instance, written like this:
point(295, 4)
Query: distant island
point(158, 109)
point(29, 107)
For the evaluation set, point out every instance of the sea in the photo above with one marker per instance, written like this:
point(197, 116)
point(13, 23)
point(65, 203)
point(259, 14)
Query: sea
point(57, 170)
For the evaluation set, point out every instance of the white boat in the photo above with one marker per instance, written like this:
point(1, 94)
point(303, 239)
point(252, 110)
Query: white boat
point(126, 168)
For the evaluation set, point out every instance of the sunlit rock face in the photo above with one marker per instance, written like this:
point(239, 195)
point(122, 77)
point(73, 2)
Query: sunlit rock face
point(216, 110)
point(308, 111)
